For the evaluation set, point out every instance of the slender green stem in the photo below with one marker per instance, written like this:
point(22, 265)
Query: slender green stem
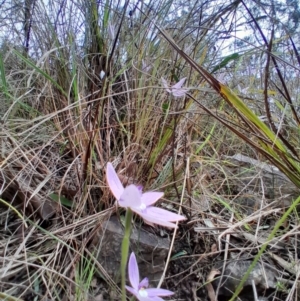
point(125, 250)
point(9, 298)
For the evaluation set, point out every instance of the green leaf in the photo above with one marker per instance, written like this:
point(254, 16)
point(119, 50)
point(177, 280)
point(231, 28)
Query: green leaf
point(226, 60)
point(179, 254)
point(2, 74)
point(107, 9)
point(61, 199)
point(46, 75)
point(165, 107)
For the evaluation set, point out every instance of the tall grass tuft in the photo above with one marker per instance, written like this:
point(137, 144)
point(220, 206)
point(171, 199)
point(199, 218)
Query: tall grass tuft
point(80, 86)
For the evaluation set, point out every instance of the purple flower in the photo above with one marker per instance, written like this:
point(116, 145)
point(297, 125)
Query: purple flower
point(176, 89)
point(140, 203)
point(139, 289)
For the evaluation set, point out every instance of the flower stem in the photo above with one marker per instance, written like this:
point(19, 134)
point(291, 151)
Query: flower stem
point(125, 250)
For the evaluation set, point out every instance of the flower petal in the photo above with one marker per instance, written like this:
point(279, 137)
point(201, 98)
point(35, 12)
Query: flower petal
point(152, 220)
point(158, 216)
point(156, 299)
point(139, 297)
point(179, 92)
point(149, 198)
point(164, 82)
point(176, 89)
point(113, 181)
point(163, 214)
point(148, 223)
point(144, 283)
point(179, 84)
point(132, 291)
point(153, 292)
point(131, 197)
point(133, 272)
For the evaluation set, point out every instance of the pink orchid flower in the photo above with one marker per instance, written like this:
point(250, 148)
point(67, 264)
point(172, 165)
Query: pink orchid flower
point(176, 89)
point(139, 289)
point(140, 203)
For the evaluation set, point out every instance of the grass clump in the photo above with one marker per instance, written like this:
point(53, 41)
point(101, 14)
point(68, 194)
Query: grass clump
point(80, 86)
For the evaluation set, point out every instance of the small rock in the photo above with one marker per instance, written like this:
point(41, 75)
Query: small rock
point(247, 203)
point(264, 278)
point(150, 250)
point(251, 173)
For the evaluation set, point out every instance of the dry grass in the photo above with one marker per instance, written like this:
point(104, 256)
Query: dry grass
point(61, 123)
